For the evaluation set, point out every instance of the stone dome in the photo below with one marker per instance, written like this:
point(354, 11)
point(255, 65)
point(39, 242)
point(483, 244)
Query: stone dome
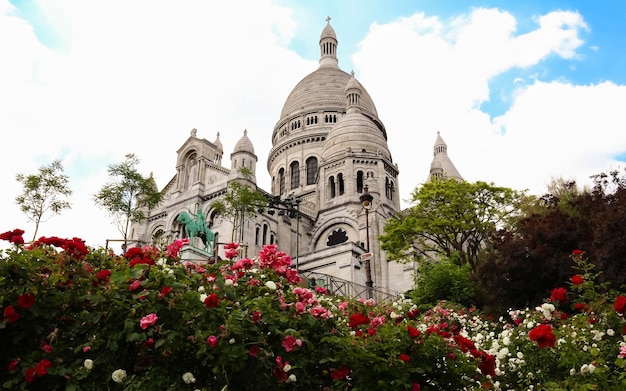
point(323, 89)
point(244, 144)
point(218, 143)
point(355, 133)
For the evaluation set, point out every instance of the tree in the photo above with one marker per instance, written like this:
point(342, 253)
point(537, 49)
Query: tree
point(43, 193)
point(127, 194)
point(528, 259)
point(240, 201)
point(450, 219)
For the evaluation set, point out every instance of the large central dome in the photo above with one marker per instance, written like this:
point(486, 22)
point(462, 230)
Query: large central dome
point(323, 89)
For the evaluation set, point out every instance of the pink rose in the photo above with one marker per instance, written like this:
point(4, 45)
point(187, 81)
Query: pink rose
point(148, 320)
point(212, 341)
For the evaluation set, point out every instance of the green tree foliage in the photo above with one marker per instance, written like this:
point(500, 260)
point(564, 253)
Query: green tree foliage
point(126, 194)
point(444, 280)
point(525, 261)
point(449, 219)
point(241, 201)
point(43, 193)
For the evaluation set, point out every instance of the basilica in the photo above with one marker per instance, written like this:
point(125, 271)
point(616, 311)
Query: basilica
point(334, 184)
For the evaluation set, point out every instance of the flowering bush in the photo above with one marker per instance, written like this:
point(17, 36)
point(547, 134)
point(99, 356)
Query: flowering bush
point(75, 318)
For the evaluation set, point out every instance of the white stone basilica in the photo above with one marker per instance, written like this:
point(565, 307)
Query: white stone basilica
point(328, 146)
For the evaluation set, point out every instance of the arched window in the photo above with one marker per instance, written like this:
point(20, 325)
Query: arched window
point(391, 190)
point(264, 234)
point(256, 235)
point(341, 184)
point(281, 180)
point(331, 186)
point(359, 182)
point(295, 174)
point(311, 170)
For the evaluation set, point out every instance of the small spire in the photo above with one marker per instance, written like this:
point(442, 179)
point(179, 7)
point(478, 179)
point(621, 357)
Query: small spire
point(352, 73)
point(245, 132)
point(194, 132)
point(328, 20)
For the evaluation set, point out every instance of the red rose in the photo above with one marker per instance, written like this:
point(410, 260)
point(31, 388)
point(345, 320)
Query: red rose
point(357, 319)
point(165, 290)
point(577, 252)
point(103, 275)
point(11, 314)
point(413, 332)
point(559, 294)
point(13, 364)
point(30, 375)
point(577, 280)
point(26, 300)
point(620, 304)
point(42, 367)
point(543, 335)
point(211, 301)
point(340, 374)
point(464, 344)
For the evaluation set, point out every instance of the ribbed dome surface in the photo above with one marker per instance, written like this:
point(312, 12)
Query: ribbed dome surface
point(356, 133)
point(244, 144)
point(328, 32)
point(323, 89)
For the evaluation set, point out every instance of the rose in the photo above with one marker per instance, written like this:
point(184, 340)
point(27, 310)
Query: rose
point(271, 285)
point(26, 300)
point(212, 341)
point(88, 364)
point(577, 280)
point(559, 294)
point(103, 275)
point(413, 332)
point(188, 378)
point(211, 301)
point(543, 335)
point(404, 357)
point(289, 342)
point(620, 304)
point(118, 375)
point(11, 314)
point(148, 320)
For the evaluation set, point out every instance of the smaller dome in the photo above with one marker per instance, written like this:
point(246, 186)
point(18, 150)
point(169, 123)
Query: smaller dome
point(353, 83)
point(328, 31)
point(218, 143)
point(356, 133)
point(244, 144)
point(436, 165)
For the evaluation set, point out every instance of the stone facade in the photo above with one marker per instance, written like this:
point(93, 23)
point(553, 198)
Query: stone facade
point(327, 147)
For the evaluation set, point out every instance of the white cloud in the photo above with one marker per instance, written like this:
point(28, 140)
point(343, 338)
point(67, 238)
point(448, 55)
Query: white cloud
point(428, 80)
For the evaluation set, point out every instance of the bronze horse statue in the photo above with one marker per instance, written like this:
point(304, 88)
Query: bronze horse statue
point(197, 227)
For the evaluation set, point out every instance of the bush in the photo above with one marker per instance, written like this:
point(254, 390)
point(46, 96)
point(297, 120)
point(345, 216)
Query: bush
point(75, 318)
point(444, 280)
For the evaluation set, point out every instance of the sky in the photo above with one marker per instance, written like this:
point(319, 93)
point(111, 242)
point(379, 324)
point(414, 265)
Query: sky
point(522, 92)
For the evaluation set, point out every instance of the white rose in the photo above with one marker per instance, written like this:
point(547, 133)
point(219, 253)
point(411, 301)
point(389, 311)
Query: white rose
point(271, 285)
point(88, 363)
point(118, 375)
point(232, 341)
point(201, 289)
point(228, 282)
point(291, 378)
point(188, 378)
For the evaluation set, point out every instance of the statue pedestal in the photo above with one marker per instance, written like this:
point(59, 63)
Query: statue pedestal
point(194, 254)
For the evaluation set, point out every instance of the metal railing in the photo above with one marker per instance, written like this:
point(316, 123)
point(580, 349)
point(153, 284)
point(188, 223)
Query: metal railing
point(340, 287)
